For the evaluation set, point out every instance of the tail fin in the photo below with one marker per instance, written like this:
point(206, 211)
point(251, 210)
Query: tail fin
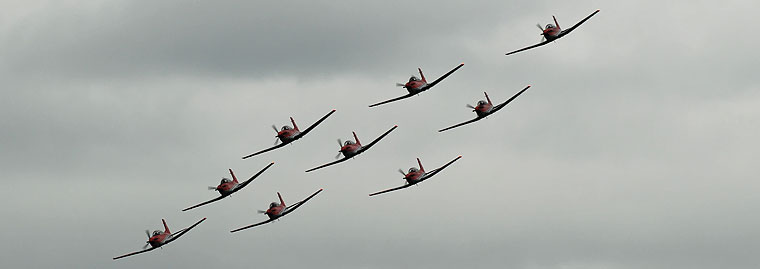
point(357, 138)
point(282, 202)
point(234, 178)
point(489, 99)
point(556, 23)
point(421, 75)
point(166, 228)
point(294, 124)
point(420, 163)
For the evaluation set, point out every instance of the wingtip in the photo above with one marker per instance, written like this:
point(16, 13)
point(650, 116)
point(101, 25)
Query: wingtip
point(461, 64)
point(333, 110)
point(272, 163)
point(460, 156)
point(204, 218)
point(394, 126)
point(321, 189)
point(598, 10)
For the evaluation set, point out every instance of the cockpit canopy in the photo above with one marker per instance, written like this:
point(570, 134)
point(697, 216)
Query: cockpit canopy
point(157, 232)
point(285, 128)
point(548, 26)
point(481, 102)
point(413, 169)
point(273, 204)
point(348, 142)
point(226, 180)
point(413, 78)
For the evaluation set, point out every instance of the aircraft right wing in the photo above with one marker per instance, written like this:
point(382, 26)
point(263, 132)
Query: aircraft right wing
point(265, 150)
point(253, 225)
point(328, 164)
point(205, 203)
point(134, 253)
point(460, 124)
point(527, 48)
point(444, 76)
point(394, 99)
point(314, 125)
point(390, 190)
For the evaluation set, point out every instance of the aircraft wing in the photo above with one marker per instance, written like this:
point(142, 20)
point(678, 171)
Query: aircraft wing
point(298, 204)
point(134, 253)
point(444, 76)
point(252, 177)
point(568, 30)
point(265, 150)
point(365, 148)
point(527, 48)
point(439, 169)
point(394, 99)
point(314, 125)
point(205, 203)
point(253, 225)
point(390, 190)
point(182, 232)
point(328, 164)
point(500, 106)
point(460, 124)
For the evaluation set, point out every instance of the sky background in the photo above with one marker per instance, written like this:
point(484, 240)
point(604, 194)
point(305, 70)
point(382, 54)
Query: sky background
point(636, 147)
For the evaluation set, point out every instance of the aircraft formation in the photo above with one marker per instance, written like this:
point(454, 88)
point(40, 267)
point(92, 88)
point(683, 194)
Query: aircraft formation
point(348, 149)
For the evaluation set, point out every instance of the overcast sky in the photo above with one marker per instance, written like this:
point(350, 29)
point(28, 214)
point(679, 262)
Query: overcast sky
point(636, 147)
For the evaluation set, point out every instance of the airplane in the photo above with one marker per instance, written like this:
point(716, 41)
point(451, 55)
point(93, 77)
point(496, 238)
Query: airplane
point(484, 109)
point(159, 238)
point(289, 134)
point(277, 211)
point(350, 149)
point(416, 176)
point(227, 187)
point(553, 32)
point(416, 86)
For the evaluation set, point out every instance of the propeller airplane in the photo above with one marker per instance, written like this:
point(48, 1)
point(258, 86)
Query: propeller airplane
point(349, 149)
point(553, 32)
point(289, 134)
point(159, 238)
point(415, 85)
point(277, 211)
point(415, 176)
point(227, 187)
point(484, 109)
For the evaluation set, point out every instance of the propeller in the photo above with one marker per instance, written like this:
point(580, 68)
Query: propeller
point(539, 27)
point(400, 85)
point(338, 156)
point(470, 106)
point(211, 188)
point(261, 211)
point(402, 172)
point(340, 143)
point(275, 128)
point(276, 140)
point(147, 232)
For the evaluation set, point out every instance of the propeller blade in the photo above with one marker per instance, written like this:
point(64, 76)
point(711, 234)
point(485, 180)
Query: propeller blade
point(338, 156)
point(400, 85)
point(147, 232)
point(275, 128)
point(340, 143)
point(539, 27)
point(402, 172)
point(261, 211)
point(212, 188)
point(470, 106)
point(146, 245)
point(276, 140)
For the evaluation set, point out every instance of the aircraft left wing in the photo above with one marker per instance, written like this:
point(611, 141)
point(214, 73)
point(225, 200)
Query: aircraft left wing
point(314, 125)
point(460, 124)
point(365, 148)
point(298, 204)
point(183, 232)
point(444, 76)
point(499, 106)
point(252, 177)
point(394, 99)
point(568, 30)
point(527, 48)
point(439, 169)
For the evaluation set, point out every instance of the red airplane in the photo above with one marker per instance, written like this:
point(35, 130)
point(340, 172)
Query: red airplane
point(416, 86)
point(552, 32)
point(416, 176)
point(484, 109)
point(351, 149)
point(289, 134)
point(277, 211)
point(228, 187)
point(159, 238)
